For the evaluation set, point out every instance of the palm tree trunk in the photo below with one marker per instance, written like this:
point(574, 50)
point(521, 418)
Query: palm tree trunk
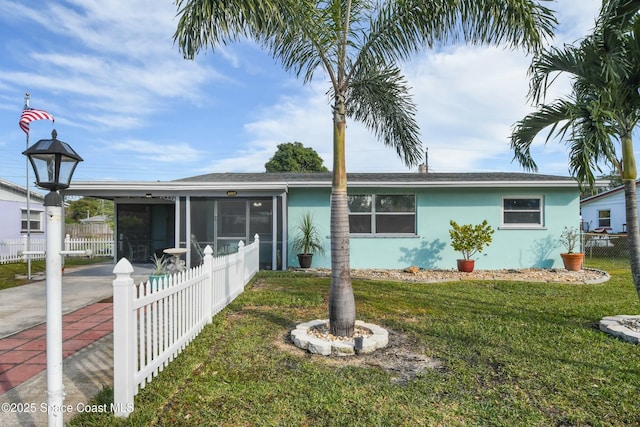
point(633, 236)
point(342, 307)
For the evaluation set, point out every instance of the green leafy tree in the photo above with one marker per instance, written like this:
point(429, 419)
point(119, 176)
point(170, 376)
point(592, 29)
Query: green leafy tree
point(357, 45)
point(615, 180)
point(87, 207)
point(295, 157)
point(597, 119)
point(469, 239)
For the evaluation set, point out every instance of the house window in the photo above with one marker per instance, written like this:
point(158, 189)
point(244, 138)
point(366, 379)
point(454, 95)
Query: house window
point(33, 221)
point(382, 214)
point(604, 218)
point(522, 212)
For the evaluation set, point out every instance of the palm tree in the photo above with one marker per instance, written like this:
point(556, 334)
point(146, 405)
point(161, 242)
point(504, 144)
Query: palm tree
point(598, 117)
point(357, 44)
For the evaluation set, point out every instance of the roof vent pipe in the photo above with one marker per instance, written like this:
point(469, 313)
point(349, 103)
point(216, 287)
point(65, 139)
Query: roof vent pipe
point(424, 168)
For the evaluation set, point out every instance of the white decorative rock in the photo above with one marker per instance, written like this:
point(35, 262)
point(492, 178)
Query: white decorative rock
point(318, 346)
point(302, 339)
point(343, 348)
point(613, 326)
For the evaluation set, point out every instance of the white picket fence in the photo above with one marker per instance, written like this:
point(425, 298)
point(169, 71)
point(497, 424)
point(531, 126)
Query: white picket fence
point(154, 321)
point(12, 250)
point(95, 247)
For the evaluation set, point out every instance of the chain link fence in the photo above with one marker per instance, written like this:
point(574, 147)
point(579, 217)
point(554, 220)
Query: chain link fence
point(604, 246)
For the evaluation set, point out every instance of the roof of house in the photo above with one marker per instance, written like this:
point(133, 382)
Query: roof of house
point(357, 179)
point(97, 219)
point(606, 194)
point(261, 183)
point(20, 190)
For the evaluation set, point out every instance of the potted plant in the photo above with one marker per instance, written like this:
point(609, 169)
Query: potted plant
point(306, 240)
point(469, 239)
point(569, 238)
point(159, 271)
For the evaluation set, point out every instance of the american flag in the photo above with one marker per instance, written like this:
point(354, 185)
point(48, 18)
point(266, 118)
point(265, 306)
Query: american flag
point(29, 115)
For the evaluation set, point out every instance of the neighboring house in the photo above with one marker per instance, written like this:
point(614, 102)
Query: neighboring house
point(396, 219)
point(16, 214)
point(97, 219)
point(94, 227)
point(605, 211)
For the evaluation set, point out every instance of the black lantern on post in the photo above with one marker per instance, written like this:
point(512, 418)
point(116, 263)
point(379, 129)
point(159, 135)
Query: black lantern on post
point(53, 162)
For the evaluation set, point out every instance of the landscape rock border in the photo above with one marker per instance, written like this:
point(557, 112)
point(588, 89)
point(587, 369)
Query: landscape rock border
point(589, 276)
point(301, 338)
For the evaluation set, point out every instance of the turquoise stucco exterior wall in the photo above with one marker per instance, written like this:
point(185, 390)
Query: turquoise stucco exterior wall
point(316, 201)
point(430, 248)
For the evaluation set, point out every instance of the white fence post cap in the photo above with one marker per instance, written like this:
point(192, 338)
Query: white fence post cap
point(123, 267)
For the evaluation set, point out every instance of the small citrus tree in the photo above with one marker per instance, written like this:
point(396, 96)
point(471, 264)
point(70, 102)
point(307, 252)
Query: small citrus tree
point(470, 239)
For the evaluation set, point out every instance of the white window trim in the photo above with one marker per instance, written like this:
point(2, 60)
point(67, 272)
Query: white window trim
point(373, 214)
point(34, 214)
point(609, 217)
point(523, 226)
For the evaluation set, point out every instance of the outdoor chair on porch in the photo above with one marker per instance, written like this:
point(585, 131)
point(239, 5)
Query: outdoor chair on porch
point(197, 249)
point(137, 251)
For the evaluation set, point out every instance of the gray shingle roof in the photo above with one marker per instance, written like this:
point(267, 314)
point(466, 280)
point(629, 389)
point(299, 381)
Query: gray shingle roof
point(278, 182)
point(416, 178)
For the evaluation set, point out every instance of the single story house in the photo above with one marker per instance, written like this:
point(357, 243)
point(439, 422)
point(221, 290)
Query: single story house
point(605, 211)
point(97, 219)
point(19, 211)
point(396, 219)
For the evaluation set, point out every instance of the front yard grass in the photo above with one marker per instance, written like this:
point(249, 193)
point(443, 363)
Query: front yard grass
point(512, 353)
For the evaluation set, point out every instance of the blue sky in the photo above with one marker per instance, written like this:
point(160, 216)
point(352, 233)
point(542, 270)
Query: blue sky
point(134, 109)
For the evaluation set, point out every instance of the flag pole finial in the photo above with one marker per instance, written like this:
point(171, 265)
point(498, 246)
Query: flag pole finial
point(26, 99)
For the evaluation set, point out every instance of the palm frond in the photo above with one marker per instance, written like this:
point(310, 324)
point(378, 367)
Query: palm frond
point(379, 97)
point(604, 106)
point(554, 116)
point(210, 23)
point(399, 29)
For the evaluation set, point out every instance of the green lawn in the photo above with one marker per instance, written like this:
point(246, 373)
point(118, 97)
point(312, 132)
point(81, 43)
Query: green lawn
point(512, 354)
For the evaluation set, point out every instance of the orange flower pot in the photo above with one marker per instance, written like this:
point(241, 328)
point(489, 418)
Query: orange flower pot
point(466, 265)
point(572, 261)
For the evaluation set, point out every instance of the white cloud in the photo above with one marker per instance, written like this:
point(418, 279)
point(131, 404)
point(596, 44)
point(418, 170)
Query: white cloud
point(159, 152)
point(110, 67)
point(115, 56)
point(468, 98)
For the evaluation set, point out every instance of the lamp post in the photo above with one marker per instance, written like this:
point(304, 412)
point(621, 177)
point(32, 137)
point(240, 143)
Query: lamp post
point(53, 162)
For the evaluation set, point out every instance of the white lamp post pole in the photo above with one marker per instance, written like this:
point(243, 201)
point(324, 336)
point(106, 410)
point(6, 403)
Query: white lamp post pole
point(55, 385)
point(53, 162)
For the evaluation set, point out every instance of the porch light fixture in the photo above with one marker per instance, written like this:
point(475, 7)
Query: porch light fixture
point(232, 193)
point(53, 162)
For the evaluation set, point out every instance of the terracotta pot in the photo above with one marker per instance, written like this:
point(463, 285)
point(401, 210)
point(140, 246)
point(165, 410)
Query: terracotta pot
point(305, 260)
point(572, 261)
point(466, 265)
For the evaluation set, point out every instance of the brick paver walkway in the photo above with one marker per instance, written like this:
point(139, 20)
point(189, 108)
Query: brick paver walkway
point(23, 355)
